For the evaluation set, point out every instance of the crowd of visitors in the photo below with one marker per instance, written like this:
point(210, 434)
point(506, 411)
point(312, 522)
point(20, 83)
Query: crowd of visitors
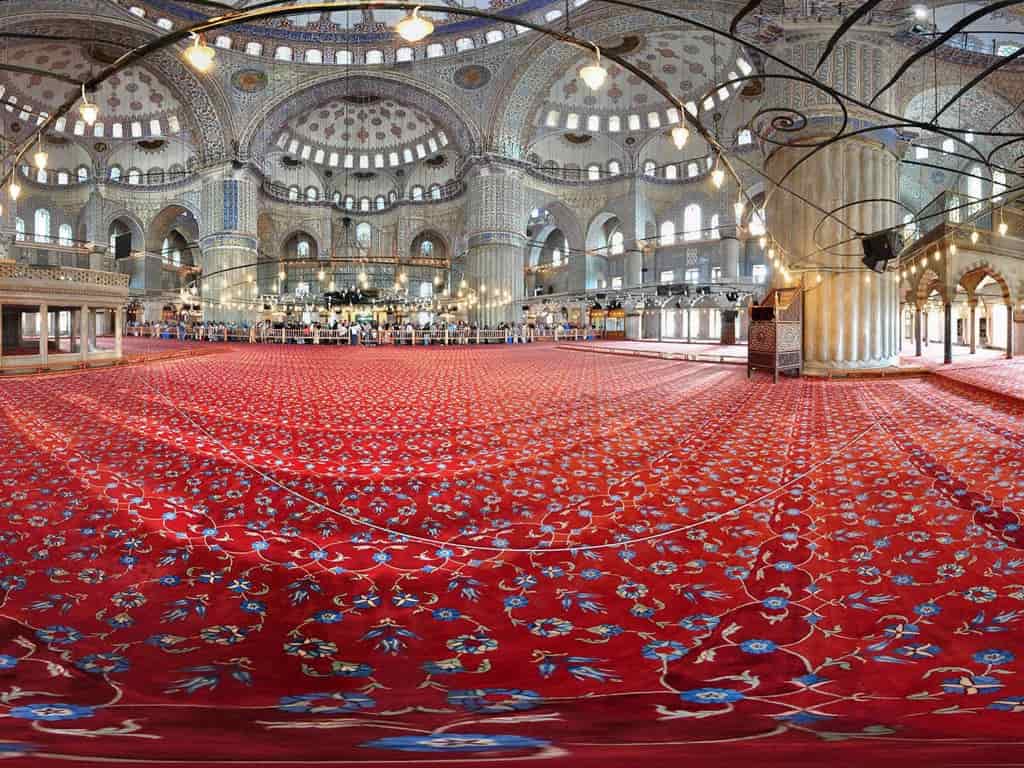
point(353, 332)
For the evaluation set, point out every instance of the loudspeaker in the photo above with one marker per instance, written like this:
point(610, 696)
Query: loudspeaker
point(880, 249)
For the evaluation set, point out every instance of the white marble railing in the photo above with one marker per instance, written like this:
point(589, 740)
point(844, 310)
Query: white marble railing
point(12, 271)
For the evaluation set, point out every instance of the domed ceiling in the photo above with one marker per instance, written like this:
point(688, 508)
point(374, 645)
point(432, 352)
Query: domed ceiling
point(133, 103)
point(687, 62)
point(384, 131)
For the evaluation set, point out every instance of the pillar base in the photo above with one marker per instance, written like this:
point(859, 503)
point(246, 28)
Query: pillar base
point(815, 368)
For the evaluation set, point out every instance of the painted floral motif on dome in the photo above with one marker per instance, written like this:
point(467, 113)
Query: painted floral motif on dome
point(472, 77)
point(131, 93)
point(249, 80)
point(382, 123)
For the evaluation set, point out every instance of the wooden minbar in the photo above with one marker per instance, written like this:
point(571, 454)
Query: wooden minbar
point(775, 339)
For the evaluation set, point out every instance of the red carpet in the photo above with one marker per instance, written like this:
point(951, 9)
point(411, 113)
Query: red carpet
point(321, 556)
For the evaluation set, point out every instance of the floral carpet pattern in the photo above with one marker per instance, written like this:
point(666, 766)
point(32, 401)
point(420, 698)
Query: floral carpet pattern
point(461, 556)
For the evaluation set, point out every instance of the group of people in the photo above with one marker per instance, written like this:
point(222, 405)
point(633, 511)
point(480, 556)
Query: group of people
point(341, 331)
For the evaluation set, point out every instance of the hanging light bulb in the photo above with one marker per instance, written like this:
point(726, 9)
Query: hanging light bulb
point(717, 176)
point(90, 112)
point(40, 158)
point(952, 249)
point(762, 241)
point(679, 136)
point(199, 55)
point(738, 209)
point(594, 74)
point(974, 236)
point(320, 275)
point(281, 275)
point(1002, 229)
point(15, 190)
point(414, 27)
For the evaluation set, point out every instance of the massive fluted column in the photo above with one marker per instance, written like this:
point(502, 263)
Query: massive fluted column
point(496, 237)
point(851, 315)
point(229, 248)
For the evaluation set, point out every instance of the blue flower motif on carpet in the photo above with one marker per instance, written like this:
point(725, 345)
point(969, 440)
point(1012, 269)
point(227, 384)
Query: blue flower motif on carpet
point(495, 699)
point(456, 742)
point(325, 703)
point(51, 711)
point(711, 696)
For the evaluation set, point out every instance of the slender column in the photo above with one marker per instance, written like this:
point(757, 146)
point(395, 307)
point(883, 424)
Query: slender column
point(83, 331)
point(973, 304)
point(947, 338)
point(2, 334)
point(917, 331)
point(118, 333)
point(924, 327)
point(44, 332)
point(1009, 331)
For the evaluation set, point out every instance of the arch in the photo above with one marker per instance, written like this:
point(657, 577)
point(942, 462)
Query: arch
point(289, 244)
point(928, 283)
point(129, 223)
point(179, 216)
point(442, 243)
point(305, 97)
point(300, 244)
point(971, 275)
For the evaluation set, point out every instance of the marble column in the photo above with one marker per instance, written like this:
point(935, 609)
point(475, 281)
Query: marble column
point(947, 336)
point(83, 331)
point(851, 317)
point(973, 304)
point(917, 331)
point(229, 247)
point(496, 239)
point(44, 332)
point(1009, 331)
point(730, 246)
point(118, 333)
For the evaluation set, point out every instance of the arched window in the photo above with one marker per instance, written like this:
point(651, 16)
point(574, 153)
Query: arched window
point(312, 194)
point(64, 234)
point(594, 172)
point(134, 176)
point(416, 193)
point(363, 233)
point(254, 49)
point(82, 173)
point(42, 225)
point(434, 50)
point(649, 168)
point(427, 249)
point(375, 57)
point(41, 176)
point(302, 249)
point(494, 36)
point(617, 243)
point(556, 257)
point(380, 203)
point(364, 204)
point(435, 191)
point(671, 171)
point(713, 232)
point(336, 197)
point(350, 202)
point(668, 233)
point(614, 168)
point(464, 44)
point(756, 225)
point(404, 54)
point(293, 193)
point(314, 56)
point(62, 177)
point(974, 188)
point(998, 185)
point(283, 53)
point(691, 222)
point(19, 228)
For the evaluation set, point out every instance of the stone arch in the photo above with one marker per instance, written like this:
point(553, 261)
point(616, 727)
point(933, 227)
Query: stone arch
point(176, 215)
point(927, 283)
point(978, 270)
point(130, 221)
point(566, 220)
point(432, 233)
point(281, 107)
point(300, 231)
